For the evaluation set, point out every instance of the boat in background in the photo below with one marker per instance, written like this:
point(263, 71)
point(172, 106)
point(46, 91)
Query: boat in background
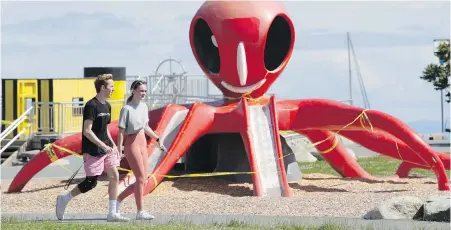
point(438, 141)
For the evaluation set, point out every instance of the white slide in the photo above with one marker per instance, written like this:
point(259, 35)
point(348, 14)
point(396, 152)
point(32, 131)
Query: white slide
point(264, 148)
point(168, 137)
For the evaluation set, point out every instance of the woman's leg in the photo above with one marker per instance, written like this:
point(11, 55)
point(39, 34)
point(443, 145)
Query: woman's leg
point(134, 158)
point(145, 162)
point(143, 215)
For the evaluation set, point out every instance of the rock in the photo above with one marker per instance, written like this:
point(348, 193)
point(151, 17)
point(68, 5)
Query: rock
point(294, 144)
point(317, 155)
point(403, 207)
point(436, 208)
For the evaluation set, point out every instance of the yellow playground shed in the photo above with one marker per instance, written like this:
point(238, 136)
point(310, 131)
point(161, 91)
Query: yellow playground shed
point(59, 101)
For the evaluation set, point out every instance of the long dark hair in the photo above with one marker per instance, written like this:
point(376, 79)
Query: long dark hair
point(134, 85)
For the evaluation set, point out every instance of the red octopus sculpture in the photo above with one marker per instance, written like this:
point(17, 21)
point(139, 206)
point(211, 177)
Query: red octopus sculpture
point(243, 47)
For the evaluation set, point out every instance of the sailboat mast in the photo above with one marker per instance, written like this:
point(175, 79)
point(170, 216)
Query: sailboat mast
point(349, 69)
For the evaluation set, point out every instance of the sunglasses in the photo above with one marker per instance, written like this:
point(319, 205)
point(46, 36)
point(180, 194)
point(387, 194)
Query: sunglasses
point(137, 83)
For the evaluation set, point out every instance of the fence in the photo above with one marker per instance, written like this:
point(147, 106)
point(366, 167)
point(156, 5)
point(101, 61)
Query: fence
point(159, 100)
point(63, 118)
point(180, 85)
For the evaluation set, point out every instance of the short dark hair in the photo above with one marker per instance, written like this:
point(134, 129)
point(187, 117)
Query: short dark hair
point(101, 80)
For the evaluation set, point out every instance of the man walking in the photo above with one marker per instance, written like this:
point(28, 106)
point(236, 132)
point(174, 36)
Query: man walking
point(99, 150)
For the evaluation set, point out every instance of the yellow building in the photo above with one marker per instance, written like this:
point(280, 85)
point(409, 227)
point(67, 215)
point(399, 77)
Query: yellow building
point(59, 107)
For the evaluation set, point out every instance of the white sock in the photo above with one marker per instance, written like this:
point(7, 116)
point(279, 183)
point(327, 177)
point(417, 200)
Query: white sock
point(68, 196)
point(118, 203)
point(112, 206)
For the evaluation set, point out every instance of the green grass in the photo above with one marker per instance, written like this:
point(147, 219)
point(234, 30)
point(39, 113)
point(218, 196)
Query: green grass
point(25, 225)
point(376, 166)
point(233, 225)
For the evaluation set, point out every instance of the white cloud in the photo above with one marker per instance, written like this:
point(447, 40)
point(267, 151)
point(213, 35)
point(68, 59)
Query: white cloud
point(146, 13)
point(161, 30)
point(375, 17)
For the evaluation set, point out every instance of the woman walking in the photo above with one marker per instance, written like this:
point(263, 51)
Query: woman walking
point(133, 126)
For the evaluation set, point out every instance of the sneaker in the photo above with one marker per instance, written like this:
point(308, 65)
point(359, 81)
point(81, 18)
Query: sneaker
point(114, 217)
point(143, 215)
point(61, 204)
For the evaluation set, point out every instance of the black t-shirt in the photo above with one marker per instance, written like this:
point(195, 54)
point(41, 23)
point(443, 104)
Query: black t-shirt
point(100, 114)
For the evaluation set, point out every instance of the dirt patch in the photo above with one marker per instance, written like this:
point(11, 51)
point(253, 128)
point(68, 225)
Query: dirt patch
point(314, 195)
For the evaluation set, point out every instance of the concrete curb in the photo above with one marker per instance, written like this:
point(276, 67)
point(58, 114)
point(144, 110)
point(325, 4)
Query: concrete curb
point(268, 221)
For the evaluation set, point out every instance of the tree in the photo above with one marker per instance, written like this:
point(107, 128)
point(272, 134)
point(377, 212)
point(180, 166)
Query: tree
point(438, 75)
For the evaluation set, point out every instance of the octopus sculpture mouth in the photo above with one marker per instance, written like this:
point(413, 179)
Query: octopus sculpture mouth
point(244, 89)
point(242, 70)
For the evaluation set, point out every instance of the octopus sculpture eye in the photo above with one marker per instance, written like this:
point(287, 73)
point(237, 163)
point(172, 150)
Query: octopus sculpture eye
point(206, 46)
point(278, 43)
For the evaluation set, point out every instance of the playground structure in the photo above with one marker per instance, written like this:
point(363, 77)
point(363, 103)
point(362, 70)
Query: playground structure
point(243, 48)
point(39, 111)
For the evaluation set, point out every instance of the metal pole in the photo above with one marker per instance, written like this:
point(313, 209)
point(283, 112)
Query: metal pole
point(441, 105)
point(170, 66)
point(349, 69)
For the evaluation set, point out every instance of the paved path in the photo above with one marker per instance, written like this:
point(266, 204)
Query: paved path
point(201, 219)
point(50, 172)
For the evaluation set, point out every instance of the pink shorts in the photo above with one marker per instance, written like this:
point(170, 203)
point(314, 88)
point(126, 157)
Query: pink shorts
point(94, 166)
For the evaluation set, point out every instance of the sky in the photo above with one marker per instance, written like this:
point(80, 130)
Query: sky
point(393, 42)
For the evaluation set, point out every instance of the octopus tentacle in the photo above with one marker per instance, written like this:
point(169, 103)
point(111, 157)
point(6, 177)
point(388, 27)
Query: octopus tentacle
point(46, 157)
point(405, 167)
point(386, 144)
point(335, 154)
point(316, 114)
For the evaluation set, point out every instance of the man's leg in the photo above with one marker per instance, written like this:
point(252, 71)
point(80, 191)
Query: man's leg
point(75, 191)
point(111, 168)
point(93, 168)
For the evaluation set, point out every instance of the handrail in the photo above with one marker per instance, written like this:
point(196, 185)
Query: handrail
point(11, 127)
point(14, 139)
point(158, 82)
point(15, 123)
